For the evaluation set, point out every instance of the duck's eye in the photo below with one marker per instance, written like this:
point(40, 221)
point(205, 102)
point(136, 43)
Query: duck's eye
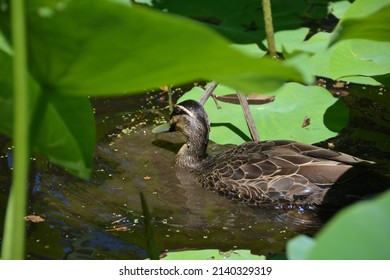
point(176, 111)
point(180, 110)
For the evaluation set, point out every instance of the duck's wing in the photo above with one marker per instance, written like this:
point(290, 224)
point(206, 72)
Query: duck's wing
point(279, 171)
point(285, 146)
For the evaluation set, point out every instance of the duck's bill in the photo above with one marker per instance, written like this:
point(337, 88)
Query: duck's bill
point(166, 127)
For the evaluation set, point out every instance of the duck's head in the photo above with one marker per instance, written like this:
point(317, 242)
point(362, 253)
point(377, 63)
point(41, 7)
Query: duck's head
point(188, 117)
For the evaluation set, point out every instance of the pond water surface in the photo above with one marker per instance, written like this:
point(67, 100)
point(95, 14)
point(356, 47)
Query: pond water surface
point(101, 218)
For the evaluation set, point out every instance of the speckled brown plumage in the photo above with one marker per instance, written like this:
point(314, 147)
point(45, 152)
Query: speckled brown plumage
point(276, 172)
point(269, 173)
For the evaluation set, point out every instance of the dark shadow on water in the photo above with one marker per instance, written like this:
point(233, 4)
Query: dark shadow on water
point(167, 145)
point(357, 184)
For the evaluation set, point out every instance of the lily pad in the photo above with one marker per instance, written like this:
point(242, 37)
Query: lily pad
point(282, 119)
point(339, 8)
point(365, 58)
point(288, 41)
point(365, 20)
point(212, 254)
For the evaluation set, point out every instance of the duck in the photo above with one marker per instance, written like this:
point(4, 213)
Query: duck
point(277, 173)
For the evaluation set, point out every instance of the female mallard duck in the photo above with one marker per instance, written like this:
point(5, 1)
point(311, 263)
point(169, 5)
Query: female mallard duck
point(268, 173)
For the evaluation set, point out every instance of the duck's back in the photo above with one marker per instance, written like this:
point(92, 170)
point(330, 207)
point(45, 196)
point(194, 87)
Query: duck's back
point(278, 173)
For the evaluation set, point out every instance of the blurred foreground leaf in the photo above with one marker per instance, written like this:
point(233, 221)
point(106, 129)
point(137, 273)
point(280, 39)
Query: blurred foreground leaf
point(62, 127)
point(65, 133)
point(78, 49)
point(242, 20)
point(121, 49)
point(300, 248)
point(359, 232)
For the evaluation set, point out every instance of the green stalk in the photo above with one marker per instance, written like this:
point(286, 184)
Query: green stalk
point(269, 28)
point(170, 93)
point(14, 230)
point(151, 244)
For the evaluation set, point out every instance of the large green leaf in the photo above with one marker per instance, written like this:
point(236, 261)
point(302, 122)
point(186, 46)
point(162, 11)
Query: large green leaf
point(6, 118)
point(359, 232)
point(363, 57)
point(119, 49)
point(362, 20)
point(62, 128)
point(339, 8)
point(299, 247)
point(289, 41)
point(346, 65)
point(281, 119)
point(66, 133)
point(365, 20)
point(355, 60)
point(94, 48)
point(384, 79)
point(242, 20)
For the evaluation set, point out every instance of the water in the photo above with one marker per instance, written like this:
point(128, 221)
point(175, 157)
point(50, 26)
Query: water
point(101, 218)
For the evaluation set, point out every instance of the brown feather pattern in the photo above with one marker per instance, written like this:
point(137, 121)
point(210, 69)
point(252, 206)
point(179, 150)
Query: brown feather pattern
point(275, 172)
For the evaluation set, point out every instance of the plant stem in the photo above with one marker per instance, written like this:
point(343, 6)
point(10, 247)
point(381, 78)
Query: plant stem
point(269, 28)
point(151, 244)
point(170, 93)
point(248, 117)
point(14, 230)
point(208, 92)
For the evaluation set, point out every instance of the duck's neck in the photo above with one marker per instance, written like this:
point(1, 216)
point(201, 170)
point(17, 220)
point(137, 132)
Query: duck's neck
point(193, 152)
